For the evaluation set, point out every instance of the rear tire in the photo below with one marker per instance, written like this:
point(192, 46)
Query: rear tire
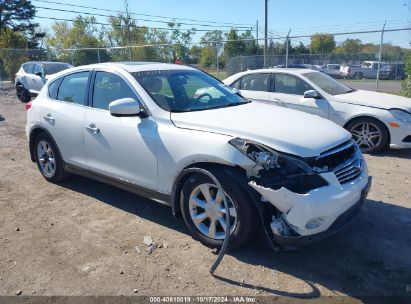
point(48, 158)
point(371, 135)
point(22, 93)
point(196, 207)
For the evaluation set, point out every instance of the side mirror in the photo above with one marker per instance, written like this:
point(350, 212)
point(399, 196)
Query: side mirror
point(127, 107)
point(40, 74)
point(311, 94)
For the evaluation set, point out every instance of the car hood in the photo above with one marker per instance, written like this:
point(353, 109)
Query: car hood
point(282, 129)
point(375, 99)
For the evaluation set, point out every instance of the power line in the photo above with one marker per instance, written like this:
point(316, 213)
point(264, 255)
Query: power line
point(109, 24)
point(139, 19)
point(146, 15)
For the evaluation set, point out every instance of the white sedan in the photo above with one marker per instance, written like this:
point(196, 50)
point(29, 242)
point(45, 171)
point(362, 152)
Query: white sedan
point(144, 127)
point(376, 120)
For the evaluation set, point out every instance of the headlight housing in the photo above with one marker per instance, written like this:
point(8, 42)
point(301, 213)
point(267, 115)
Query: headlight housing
point(276, 169)
point(267, 157)
point(401, 115)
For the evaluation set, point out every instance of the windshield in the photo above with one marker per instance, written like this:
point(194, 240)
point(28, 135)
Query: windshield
point(328, 84)
point(53, 68)
point(186, 90)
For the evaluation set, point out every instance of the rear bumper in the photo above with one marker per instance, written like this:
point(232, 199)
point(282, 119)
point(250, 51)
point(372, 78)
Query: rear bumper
point(340, 223)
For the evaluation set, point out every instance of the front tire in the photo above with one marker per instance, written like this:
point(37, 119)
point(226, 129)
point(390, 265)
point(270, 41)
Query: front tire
point(22, 93)
point(370, 134)
point(48, 158)
point(204, 213)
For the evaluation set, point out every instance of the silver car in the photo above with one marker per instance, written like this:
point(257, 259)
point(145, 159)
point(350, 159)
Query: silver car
point(32, 76)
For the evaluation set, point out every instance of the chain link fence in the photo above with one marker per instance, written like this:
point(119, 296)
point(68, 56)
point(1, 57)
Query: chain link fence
point(370, 60)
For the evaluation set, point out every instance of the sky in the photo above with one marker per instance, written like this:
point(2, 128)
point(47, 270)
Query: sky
point(301, 16)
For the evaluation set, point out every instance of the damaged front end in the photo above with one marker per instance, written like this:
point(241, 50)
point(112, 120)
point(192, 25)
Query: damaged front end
point(307, 198)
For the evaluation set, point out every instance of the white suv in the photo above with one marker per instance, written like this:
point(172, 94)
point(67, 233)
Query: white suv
point(32, 76)
point(143, 127)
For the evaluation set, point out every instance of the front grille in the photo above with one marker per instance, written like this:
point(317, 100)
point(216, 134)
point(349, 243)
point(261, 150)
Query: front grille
point(344, 160)
point(350, 170)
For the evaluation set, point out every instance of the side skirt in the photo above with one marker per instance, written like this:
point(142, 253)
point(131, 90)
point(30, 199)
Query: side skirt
point(162, 198)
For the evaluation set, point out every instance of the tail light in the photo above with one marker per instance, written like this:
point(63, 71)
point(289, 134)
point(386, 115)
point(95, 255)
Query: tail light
point(28, 106)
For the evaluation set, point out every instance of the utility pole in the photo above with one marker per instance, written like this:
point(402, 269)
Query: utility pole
point(128, 26)
point(265, 33)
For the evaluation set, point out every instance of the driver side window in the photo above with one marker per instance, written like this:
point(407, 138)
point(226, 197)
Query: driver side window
point(109, 87)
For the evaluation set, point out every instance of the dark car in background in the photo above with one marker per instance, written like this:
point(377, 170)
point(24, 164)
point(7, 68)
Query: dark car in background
point(393, 71)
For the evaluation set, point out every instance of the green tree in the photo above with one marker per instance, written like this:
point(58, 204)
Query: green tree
point(18, 15)
point(322, 43)
point(300, 49)
point(250, 45)
point(194, 54)
point(12, 53)
point(353, 46)
point(125, 32)
point(208, 56)
point(83, 33)
point(234, 46)
point(178, 41)
point(406, 84)
point(212, 43)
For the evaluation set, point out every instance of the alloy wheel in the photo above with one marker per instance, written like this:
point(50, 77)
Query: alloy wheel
point(46, 158)
point(367, 135)
point(207, 211)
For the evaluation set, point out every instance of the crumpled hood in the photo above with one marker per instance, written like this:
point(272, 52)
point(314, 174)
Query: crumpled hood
point(375, 99)
point(282, 129)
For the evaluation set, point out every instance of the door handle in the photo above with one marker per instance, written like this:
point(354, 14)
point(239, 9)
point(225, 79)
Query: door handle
point(48, 117)
point(93, 129)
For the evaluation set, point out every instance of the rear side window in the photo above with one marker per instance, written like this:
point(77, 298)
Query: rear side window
point(73, 88)
point(109, 87)
point(54, 88)
point(255, 82)
point(28, 68)
point(290, 84)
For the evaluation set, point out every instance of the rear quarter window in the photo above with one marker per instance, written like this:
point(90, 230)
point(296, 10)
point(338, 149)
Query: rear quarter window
point(54, 88)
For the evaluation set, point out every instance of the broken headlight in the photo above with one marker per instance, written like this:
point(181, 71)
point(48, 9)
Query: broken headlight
point(275, 169)
point(267, 157)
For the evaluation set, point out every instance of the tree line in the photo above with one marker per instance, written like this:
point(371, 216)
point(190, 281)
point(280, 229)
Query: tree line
point(18, 31)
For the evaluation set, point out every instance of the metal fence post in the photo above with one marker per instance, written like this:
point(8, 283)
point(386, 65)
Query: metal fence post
point(72, 57)
point(217, 63)
point(98, 56)
point(379, 56)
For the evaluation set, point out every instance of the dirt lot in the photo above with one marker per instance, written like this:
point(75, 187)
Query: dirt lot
point(79, 238)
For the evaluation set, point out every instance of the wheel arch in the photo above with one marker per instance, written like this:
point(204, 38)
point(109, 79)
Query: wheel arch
point(33, 133)
point(237, 173)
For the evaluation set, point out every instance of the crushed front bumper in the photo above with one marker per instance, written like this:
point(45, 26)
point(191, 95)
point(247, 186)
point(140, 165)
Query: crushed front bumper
point(332, 207)
point(341, 222)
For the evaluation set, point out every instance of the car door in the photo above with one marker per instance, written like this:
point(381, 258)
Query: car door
point(123, 148)
point(288, 90)
point(37, 82)
point(63, 116)
point(255, 86)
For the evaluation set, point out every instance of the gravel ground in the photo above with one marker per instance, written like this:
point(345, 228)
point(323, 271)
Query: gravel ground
point(80, 238)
